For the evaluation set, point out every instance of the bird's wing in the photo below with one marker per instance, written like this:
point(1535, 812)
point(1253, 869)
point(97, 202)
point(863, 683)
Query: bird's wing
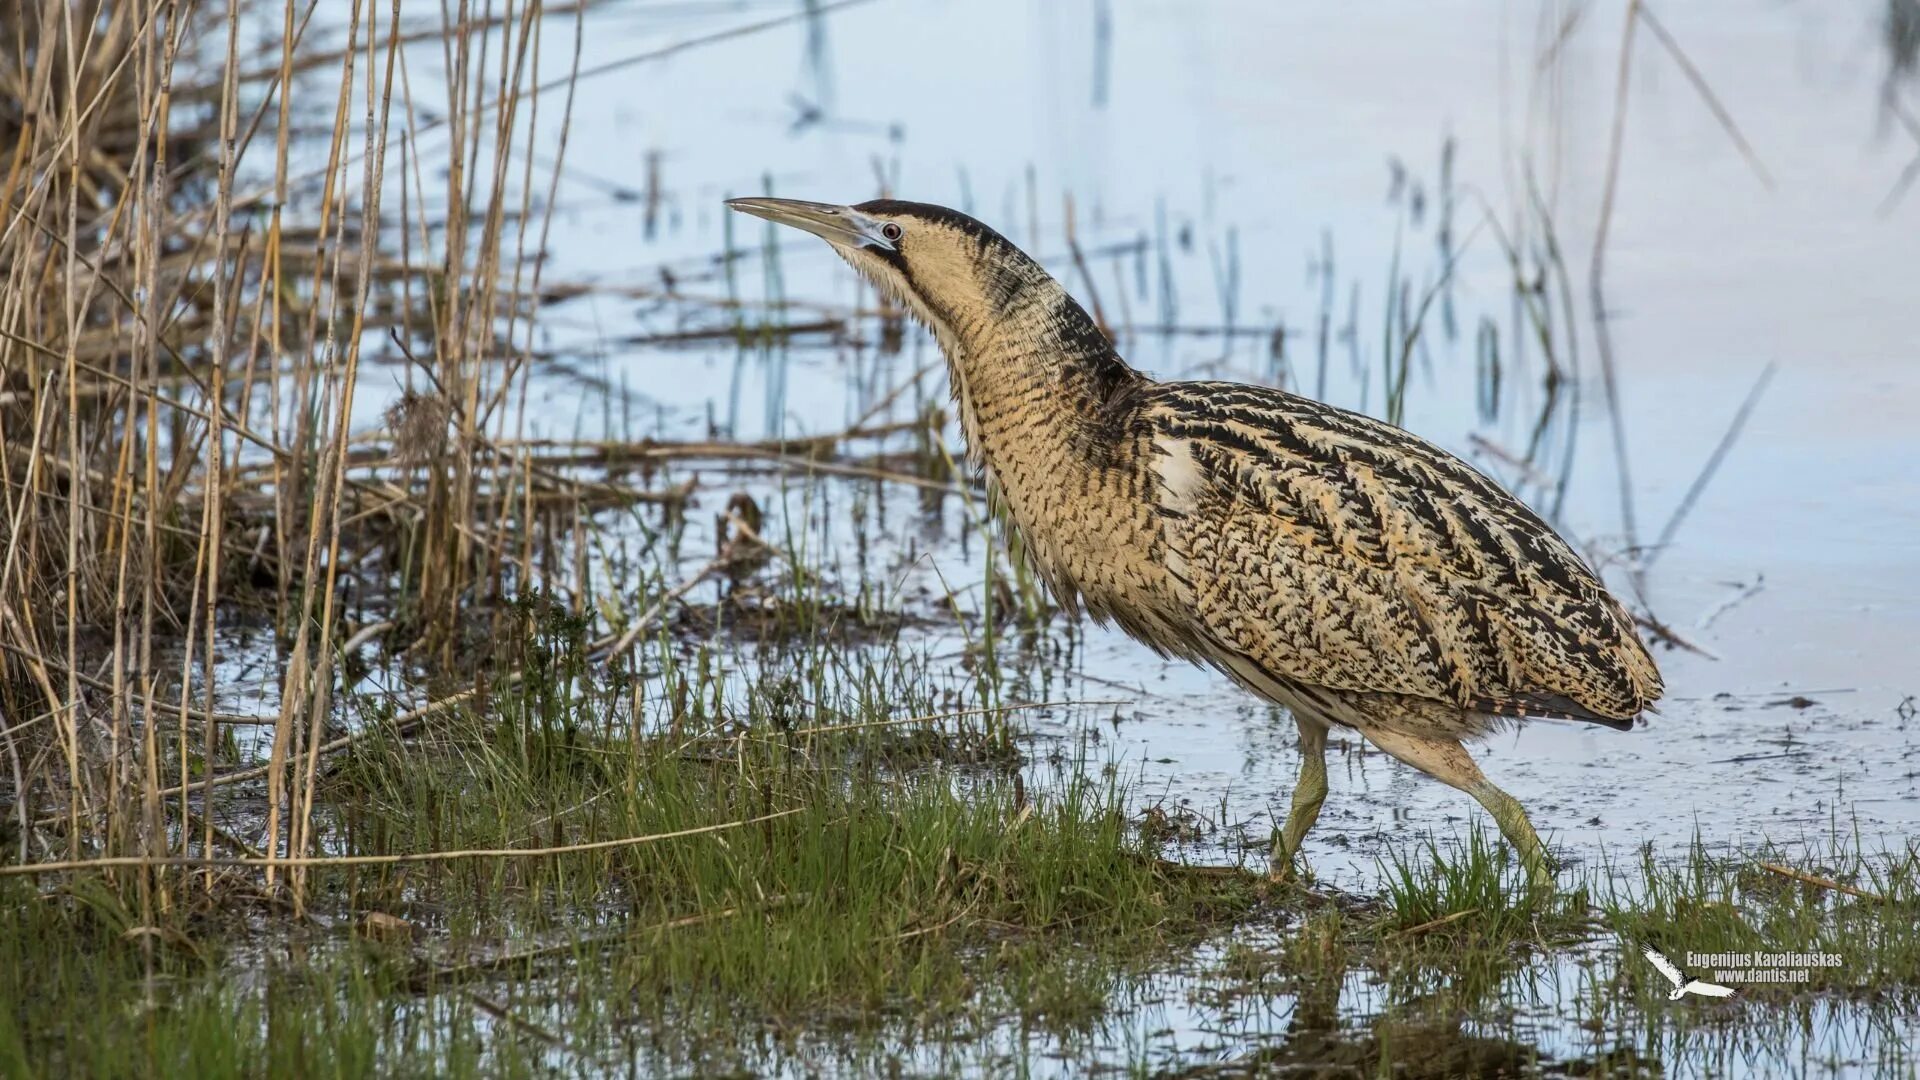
point(1707, 989)
point(1334, 550)
point(1666, 967)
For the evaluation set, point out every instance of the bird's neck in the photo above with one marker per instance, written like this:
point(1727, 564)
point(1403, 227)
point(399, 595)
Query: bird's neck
point(1034, 374)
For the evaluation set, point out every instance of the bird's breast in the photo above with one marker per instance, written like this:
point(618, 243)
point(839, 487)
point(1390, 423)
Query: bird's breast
point(1091, 529)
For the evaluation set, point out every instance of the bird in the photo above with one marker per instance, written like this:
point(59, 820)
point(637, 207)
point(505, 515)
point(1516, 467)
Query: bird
point(1328, 562)
point(1682, 986)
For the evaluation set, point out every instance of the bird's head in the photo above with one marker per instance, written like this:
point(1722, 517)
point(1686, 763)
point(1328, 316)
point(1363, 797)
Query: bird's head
point(952, 271)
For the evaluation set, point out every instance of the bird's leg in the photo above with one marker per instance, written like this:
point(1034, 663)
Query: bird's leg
point(1309, 791)
point(1447, 761)
point(1518, 830)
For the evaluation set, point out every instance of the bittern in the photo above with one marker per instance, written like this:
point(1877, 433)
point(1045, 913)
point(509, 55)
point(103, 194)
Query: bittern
point(1338, 566)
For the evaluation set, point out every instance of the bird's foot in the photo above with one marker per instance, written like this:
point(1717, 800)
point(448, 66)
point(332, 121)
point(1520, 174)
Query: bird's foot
point(1282, 868)
point(1540, 879)
point(1539, 866)
point(1512, 819)
point(1279, 863)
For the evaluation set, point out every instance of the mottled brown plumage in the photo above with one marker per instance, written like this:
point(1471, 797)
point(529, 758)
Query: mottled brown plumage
point(1339, 566)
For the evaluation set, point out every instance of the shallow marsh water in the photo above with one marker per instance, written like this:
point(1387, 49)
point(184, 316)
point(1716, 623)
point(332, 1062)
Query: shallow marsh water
point(1255, 129)
point(1226, 151)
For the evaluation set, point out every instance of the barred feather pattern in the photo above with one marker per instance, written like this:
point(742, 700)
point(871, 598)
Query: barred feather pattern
point(1333, 551)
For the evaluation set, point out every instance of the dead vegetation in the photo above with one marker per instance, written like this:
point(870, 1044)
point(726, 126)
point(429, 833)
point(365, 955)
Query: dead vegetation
point(187, 315)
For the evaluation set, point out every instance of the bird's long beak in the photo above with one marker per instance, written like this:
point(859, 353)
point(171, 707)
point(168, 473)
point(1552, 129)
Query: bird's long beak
point(834, 224)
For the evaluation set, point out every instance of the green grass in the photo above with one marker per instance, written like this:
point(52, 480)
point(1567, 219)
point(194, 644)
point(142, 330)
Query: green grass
point(924, 899)
point(1731, 903)
point(892, 909)
point(923, 894)
point(1459, 950)
point(921, 888)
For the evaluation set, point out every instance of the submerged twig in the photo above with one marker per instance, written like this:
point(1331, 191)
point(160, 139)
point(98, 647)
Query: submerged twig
point(1740, 596)
point(1662, 632)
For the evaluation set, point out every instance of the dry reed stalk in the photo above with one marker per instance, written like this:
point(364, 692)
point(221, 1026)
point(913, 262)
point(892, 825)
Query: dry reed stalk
point(375, 161)
point(150, 312)
point(70, 714)
point(282, 474)
point(1821, 882)
point(212, 517)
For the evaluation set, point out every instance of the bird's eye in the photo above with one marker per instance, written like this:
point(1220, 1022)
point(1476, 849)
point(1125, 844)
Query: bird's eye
point(890, 230)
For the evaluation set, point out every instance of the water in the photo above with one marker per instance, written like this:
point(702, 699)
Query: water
point(1227, 149)
point(1274, 124)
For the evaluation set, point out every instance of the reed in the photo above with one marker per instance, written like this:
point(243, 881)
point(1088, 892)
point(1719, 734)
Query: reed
point(185, 318)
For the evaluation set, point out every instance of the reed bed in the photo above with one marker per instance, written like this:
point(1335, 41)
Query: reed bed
point(207, 247)
point(186, 318)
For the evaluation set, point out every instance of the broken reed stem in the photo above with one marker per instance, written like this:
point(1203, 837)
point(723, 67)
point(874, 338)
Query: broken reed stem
point(1824, 883)
point(330, 861)
point(652, 614)
point(1435, 924)
point(959, 714)
point(1080, 264)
